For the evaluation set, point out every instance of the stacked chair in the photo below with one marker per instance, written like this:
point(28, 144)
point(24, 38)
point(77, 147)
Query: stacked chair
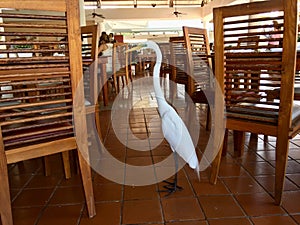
point(41, 96)
point(199, 68)
point(120, 65)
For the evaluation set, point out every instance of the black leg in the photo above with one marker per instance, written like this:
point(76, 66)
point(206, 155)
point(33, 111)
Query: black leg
point(171, 186)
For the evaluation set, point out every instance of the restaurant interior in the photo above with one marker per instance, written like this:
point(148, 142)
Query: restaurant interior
point(133, 112)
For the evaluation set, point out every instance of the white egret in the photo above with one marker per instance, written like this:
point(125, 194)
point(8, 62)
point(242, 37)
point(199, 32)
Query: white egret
point(174, 129)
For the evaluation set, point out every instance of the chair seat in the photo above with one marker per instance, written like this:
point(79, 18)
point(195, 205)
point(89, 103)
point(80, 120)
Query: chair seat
point(38, 132)
point(260, 112)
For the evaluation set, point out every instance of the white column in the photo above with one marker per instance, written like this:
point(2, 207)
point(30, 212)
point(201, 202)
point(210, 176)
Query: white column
point(82, 13)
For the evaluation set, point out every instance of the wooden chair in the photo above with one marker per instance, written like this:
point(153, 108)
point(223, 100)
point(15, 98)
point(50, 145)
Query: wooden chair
point(89, 52)
point(92, 83)
point(199, 69)
point(245, 76)
point(44, 105)
point(250, 42)
point(120, 65)
point(178, 61)
point(166, 67)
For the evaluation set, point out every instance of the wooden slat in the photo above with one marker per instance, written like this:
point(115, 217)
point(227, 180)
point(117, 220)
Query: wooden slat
point(55, 5)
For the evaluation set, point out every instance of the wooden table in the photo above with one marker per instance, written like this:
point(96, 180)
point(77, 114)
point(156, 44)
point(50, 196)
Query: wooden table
point(144, 59)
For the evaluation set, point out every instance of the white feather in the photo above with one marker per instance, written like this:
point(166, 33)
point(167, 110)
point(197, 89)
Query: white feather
point(174, 129)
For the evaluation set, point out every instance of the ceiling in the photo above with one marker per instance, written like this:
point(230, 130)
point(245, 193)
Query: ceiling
point(145, 20)
point(187, 10)
point(145, 4)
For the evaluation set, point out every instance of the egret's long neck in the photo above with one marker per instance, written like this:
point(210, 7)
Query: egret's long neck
point(156, 77)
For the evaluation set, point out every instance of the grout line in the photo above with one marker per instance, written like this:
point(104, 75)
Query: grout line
point(47, 202)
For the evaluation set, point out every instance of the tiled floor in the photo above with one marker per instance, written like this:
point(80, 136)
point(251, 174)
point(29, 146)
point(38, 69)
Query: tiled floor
point(242, 195)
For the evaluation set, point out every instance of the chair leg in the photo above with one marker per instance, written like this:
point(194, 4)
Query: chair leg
point(215, 166)
point(98, 124)
point(47, 166)
point(5, 206)
point(238, 142)
point(66, 164)
point(118, 85)
point(208, 118)
point(87, 185)
point(225, 143)
point(282, 146)
point(115, 80)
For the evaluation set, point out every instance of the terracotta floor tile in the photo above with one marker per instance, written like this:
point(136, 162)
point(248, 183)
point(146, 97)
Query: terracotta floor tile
point(268, 182)
point(259, 168)
point(295, 178)
point(26, 167)
point(249, 156)
point(220, 206)
point(108, 213)
point(230, 221)
point(293, 167)
point(139, 161)
point(258, 204)
point(242, 185)
point(274, 220)
point(159, 158)
point(140, 192)
point(55, 163)
point(42, 181)
point(19, 181)
point(32, 197)
point(98, 179)
point(294, 153)
point(114, 144)
point(14, 193)
point(161, 151)
point(26, 216)
point(142, 211)
point(61, 215)
point(135, 153)
point(231, 169)
point(181, 209)
point(296, 218)
point(204, 187)
point(117, 152)
point(188, 223)
point(75, 180)
point(267, 155)
point(290, 201)
point(108, 192)
point(67, 195)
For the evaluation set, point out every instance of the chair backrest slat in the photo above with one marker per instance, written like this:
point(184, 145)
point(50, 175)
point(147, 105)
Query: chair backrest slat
point(36, 89)
point(255, 58)
point(199, 63)
point(178, 60)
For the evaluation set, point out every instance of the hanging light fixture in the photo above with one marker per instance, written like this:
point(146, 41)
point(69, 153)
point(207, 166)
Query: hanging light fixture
point(98, 3)
point(204, 2)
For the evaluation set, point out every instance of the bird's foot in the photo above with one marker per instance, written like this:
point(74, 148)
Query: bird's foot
point(171, 187)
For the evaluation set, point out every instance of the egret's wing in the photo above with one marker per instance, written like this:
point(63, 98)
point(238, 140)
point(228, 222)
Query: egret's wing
point(178, 136)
